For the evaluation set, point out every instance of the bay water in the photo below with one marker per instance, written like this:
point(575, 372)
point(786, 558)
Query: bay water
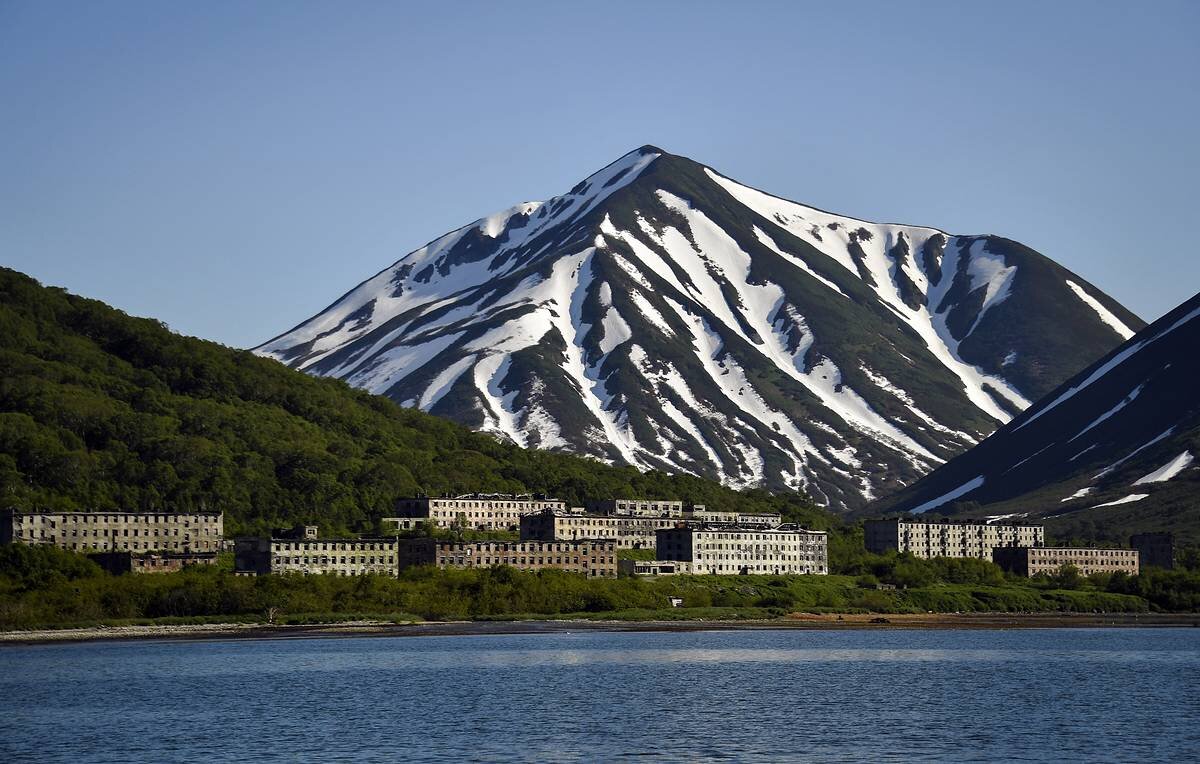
point(762, 695)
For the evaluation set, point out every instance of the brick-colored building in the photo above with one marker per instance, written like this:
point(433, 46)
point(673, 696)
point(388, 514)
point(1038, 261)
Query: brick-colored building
point(87, 532)
point(595, 559)
point(478, 511)
point(726, 550)
point(1031, 561)
point(338, 557)
point(945, 538)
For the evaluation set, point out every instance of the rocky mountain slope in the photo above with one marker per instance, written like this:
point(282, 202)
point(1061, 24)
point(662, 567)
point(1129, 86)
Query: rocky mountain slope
point(1114, 448)
point(663, 315)
point(101, 411)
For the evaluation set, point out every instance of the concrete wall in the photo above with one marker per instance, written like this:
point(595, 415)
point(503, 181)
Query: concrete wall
point(947, 539)
point(595, 559)
point(751, 551)
point(117, 531)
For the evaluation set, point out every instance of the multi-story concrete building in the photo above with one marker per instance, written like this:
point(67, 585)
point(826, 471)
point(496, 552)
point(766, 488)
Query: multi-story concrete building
point(118, 563)
point(338, 557)
point(488, 512)
point(637, 507)
point(1154, 549)
point(945, 538)
point(628, 532)
point(660, 508)
point(594, 559)
point(1030, 561)
point(177, 532)
point(727, 550)
point(700, 514)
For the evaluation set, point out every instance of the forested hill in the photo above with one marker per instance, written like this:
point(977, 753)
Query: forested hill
point(100, 410)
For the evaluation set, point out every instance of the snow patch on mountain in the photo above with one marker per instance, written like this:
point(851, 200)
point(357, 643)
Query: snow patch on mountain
point(1123, 500)
point(1104, 313)
point(1078, 494)
point(949, 496)
point(1168, 470)
point(1133, 394)
point(1127, 351)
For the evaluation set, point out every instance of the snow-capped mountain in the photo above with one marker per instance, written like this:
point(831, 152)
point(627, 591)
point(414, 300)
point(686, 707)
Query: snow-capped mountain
point(663, 315)
point(1119, 439)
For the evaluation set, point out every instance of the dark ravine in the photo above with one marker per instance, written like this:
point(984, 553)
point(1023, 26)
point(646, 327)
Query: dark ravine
point(1111, 451)
point(663, 315)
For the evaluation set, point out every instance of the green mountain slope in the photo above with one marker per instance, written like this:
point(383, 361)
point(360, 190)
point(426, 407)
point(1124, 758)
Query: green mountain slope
point(100, 410)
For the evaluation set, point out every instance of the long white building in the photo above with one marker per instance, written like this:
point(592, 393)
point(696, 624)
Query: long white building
point(727, 550)
point(138, 532)
point(477, 511)
point(945, 538)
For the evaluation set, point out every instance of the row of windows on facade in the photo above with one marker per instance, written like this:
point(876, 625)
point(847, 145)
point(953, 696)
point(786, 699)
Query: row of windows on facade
point(332, 546)
point(522, 561)
point(736, 568)
point(785, 536)
point(490, 504)
point(977, 533)
point(349, 572)
point(77, 517)
point(753, 542)
point(760, 556)
point(618, 522)
point(104, 532)
point(360, 560)
point(569, 567)
point(1066, 560)
point(133, 545)
point(1052, 552)
point(516, 546)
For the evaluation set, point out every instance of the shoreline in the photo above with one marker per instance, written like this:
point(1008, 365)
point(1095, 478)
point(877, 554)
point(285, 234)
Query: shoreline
point(795, 621)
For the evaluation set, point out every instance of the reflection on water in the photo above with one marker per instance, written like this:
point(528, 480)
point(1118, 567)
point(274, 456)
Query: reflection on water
point(1097, 695)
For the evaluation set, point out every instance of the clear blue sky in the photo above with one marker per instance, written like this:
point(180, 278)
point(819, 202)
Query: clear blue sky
point(231, 168)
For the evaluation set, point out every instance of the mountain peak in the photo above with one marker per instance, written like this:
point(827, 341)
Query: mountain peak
point(682, 321)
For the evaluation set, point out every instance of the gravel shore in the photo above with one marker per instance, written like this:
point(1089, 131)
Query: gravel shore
point(465, 628)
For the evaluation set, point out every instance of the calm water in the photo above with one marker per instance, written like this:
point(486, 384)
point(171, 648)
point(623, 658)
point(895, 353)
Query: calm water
point(1077, 695)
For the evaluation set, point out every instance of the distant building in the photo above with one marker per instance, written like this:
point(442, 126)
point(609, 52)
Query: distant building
point(944, 538)
point(87, 532)
point(628, 532)
point(700, 514)
point(477, 511)
point(1154, 549)
point(337, 557)
point(1030, 561)
point(726, 550)
point(119, 563)
point(669, 508)
point(594, 559)
point(653, 567)
point(637, 507)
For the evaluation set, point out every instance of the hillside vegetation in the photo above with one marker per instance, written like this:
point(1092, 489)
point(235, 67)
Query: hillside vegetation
point(48, 587)
point(100, 410)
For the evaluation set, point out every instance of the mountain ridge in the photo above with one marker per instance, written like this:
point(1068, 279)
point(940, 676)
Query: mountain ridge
point(1110, 451)
point(102, 411)
point(664, 315)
